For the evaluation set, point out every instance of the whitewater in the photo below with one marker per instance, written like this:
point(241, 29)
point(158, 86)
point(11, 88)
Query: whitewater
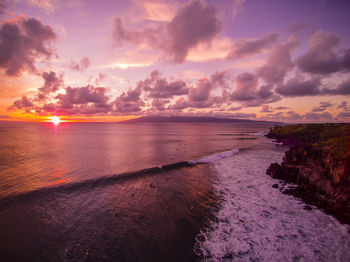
point(256, 222)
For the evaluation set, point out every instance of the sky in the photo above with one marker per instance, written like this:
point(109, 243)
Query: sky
point(110, 60)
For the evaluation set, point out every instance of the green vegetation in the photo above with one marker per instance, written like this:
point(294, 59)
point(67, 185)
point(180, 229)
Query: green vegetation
point(335, 137)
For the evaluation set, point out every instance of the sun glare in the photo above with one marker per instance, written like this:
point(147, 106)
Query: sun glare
point(55, 120)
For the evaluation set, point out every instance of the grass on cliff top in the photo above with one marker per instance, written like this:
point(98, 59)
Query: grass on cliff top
point(334, 136)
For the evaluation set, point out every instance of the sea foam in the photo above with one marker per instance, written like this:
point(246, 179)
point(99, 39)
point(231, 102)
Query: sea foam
point(256, 222)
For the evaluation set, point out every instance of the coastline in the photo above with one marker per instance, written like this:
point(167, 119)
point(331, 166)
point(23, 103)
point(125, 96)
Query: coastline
point(318, 164)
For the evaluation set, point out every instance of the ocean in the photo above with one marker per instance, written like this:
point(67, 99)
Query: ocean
point(153, 192)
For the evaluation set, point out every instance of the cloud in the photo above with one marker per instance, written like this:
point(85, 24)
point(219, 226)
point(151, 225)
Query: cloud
point(293, 115)
point(298, 86)
point(236, 6)
point(86, 100)
point(22, 43)
point(280, 108)
point(151, 36)
point(129, 102)
point(279, 62)
point(100, 78)
point(247, 84)
point(343, 105)
point(159, 104)
point(344, 115)
point(195, 23)
point(157, 10)
point(201, 92)
point(318, 116)
point(158, 87)
point(2, 7)
point(199, 96)
point(23, 103)
point(51, 5)
point(321, 57)
point(322, 107)
point(341, 89)
point(216, 50)
point(266, 109)
point(248, 93)
point(52, 82)
point(180, 104)
point(81, 66)
point(220, 79)
point(246, 47)
point(296, 28)
point(83, 95)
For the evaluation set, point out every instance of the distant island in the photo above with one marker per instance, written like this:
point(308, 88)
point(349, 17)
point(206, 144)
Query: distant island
point(190, 119)
point(318, 161)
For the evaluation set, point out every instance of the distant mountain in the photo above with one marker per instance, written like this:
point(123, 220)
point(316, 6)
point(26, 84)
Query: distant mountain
point(189, 119)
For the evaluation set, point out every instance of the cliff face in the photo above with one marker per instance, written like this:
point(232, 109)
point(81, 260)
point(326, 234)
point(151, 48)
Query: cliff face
point(318, 161)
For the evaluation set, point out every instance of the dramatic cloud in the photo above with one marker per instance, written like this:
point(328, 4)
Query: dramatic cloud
point(87, 100)
point(201, 92)
point(83, 95)
point(220, 79)
point(321, 57)
point(248, 93)
point(22, 43)
point(247, 84)
point(23, 103)
point(158, 87)
point(129, 102)
point(246, 47)
point(194, 23)
point(341, 89)
point(159, 104)
point(151, 36)
point(81, 66)
point(322, 107)
point(298, 86)
point(279, 62)
point(52, 82)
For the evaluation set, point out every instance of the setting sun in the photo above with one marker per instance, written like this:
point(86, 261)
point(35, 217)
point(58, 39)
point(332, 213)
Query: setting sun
point(55, 120)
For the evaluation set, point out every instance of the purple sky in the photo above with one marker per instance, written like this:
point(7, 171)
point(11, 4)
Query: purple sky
point(273, 60)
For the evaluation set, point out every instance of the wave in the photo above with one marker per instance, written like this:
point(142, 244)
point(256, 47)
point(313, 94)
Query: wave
point(113, 179)
point(215, 157)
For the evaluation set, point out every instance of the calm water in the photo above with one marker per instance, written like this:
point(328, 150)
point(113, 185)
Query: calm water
point(152, 192)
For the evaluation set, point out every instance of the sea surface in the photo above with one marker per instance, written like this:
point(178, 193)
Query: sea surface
point(153, 192)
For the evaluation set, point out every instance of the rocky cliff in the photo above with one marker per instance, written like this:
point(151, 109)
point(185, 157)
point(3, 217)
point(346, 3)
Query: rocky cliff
point(318, 161)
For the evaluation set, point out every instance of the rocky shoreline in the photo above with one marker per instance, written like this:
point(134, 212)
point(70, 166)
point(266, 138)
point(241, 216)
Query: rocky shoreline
point(318, 162)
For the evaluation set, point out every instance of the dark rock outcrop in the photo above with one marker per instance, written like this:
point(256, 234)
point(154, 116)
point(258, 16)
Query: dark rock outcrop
point(317, 167)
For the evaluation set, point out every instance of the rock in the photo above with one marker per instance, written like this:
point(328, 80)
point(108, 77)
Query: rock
point(275, 171)
point(318, 161)
point(307, 208)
